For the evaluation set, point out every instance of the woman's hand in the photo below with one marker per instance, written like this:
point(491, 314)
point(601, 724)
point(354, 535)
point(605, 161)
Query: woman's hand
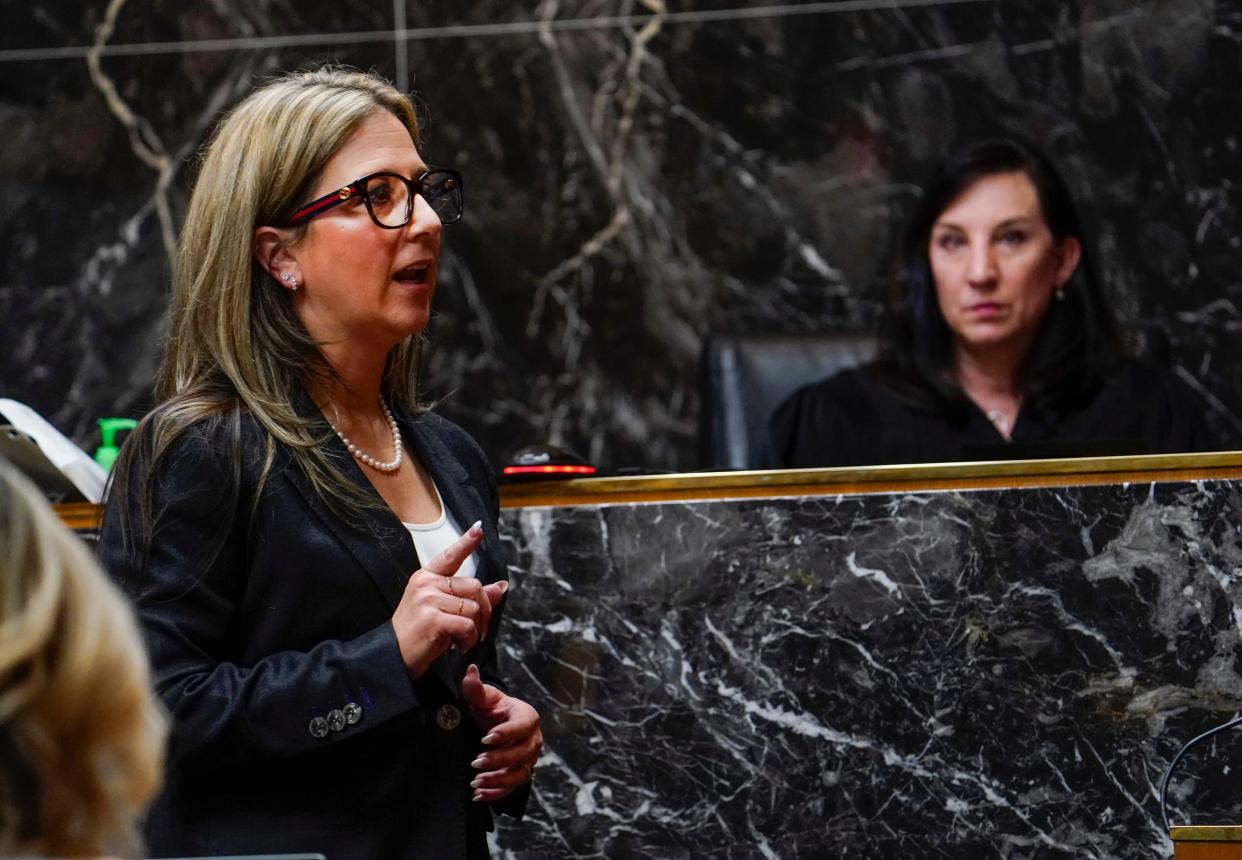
point(513, 738)
point(439, 609)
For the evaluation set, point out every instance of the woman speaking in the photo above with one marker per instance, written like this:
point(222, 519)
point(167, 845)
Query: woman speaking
point(313, 555)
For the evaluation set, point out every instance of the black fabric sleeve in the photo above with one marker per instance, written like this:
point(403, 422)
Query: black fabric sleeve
point(785, 429)
point(488, 664)
point(186, 572)
point(465, 447)
point(829, 423)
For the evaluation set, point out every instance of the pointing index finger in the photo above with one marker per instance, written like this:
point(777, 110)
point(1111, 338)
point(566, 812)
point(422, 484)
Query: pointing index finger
point(450, 558)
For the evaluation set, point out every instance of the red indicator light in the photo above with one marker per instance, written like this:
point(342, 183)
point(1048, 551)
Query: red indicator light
point(549, 470)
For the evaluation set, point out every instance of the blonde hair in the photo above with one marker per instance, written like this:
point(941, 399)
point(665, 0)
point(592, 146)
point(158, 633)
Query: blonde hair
point(234, 342)
point(81, 735)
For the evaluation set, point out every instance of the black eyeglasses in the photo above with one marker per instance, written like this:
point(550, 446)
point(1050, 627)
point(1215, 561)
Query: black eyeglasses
point(389, 197)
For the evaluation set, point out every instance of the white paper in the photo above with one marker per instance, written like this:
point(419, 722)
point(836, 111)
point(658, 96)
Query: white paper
point(76, 465)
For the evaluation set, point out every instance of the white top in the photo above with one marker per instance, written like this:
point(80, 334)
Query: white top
point(431, 538)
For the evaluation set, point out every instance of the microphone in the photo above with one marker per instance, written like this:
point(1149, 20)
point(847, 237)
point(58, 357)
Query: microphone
point(1168, 774)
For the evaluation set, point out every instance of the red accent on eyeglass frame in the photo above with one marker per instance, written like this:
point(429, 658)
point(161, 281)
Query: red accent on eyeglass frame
point(334, 198)
point(339, 196)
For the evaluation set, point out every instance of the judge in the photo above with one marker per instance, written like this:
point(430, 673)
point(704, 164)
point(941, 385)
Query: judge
point(996, 336)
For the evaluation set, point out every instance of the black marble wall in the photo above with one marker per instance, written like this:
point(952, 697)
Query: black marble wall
point(640, 175)
point(958, 675)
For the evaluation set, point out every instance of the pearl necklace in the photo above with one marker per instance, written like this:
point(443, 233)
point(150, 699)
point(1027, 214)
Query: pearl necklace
point(365, 458)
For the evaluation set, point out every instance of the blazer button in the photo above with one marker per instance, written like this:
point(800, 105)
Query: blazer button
point(353, 714)
point(336, 720)
point(448, 717)
point(319, 727)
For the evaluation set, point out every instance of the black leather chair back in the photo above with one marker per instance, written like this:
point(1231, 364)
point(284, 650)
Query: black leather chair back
point(745, 377)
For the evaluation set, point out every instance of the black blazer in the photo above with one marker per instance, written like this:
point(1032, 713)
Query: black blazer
point(266, 617)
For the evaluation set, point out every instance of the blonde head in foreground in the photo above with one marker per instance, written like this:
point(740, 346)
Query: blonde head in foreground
point(81, 736)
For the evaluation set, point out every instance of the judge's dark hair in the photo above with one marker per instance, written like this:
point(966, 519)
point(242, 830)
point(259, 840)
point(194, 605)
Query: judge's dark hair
point(1078, 343)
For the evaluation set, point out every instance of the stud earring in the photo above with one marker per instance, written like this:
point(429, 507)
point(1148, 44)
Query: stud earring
point(290, 280)
point(1060, 294)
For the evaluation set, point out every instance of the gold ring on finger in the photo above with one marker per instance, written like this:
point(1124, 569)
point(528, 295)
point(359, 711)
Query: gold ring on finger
point(530, 772)
point(461, 601)
point(450, 585)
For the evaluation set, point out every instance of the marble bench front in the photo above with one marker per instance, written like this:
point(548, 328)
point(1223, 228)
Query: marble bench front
point(935, 661)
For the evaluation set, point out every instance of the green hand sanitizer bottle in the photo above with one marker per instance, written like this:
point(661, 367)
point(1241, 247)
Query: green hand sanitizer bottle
point(105, 454)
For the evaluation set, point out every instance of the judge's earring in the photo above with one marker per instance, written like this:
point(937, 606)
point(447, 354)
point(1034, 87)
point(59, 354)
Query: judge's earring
point(290, 280)
point(1060, 293)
